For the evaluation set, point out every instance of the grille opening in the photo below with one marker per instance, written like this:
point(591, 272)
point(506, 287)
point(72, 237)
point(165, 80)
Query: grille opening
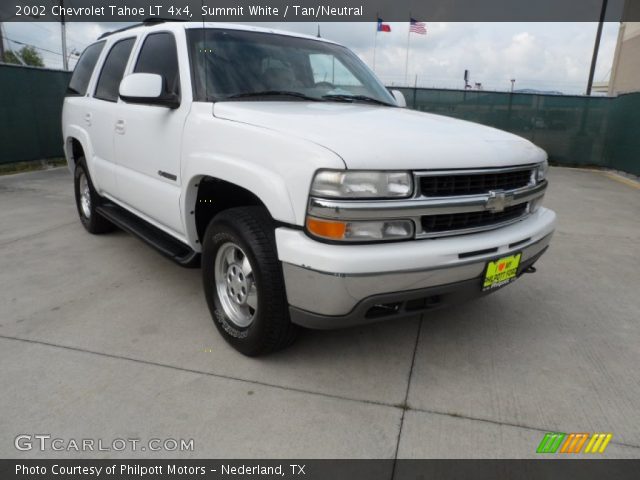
point(515, 244)
point(415, 305)
point(422, 303)
point(383, 309)
point(477, 252)
point(473, 184)
point(460, 221)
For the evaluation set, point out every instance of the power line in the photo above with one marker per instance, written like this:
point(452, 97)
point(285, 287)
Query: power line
point(30, 45)
point(74, 40)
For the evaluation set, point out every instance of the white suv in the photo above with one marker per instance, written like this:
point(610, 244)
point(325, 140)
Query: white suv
point(282, 165)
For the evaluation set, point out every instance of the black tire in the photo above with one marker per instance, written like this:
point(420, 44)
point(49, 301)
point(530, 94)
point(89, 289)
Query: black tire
point(252, 230)
point(92, 221)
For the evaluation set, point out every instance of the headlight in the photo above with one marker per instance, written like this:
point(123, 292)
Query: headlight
point(541, 171)
point(361, 184)
point(360, 231)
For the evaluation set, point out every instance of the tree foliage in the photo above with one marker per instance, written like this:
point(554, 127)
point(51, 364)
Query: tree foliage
point(28, 54)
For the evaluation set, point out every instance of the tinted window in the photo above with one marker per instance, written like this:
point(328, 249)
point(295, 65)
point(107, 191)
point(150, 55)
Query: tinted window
point(159, 56)
point(113, 70)
point(84, 68)
point(228, 63)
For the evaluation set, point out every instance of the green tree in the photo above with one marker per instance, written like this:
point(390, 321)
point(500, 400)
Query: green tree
point(28, 54)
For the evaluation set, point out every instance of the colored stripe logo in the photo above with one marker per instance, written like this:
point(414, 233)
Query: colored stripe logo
point(554, 442)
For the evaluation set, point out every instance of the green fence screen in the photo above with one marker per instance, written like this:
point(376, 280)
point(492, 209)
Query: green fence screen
point(574, 130)
point(30, 113)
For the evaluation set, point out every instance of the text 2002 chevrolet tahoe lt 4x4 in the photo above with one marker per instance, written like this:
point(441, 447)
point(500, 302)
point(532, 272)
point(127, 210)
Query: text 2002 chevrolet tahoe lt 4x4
point(281, 165)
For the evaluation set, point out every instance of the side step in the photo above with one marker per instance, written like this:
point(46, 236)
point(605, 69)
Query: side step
point(161, 241)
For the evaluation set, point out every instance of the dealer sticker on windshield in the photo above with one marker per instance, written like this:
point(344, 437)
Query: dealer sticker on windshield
point(501, 272)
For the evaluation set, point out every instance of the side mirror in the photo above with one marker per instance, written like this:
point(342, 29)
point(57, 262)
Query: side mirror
point(147, 89)
point(400, 100)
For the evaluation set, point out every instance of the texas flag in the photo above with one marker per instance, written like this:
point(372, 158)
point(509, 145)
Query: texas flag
point(383, 27)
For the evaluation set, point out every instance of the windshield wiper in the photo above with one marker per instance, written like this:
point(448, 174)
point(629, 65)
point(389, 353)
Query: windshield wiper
point(272, 93)
point(355, 98)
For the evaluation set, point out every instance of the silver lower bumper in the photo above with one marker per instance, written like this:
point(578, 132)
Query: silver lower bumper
point(328, 294)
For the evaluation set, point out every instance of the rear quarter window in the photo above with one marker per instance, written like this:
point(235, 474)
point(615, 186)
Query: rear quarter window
point(84, 68)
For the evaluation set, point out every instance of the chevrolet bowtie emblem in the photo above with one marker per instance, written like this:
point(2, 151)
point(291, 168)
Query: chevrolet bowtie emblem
point(498, 201)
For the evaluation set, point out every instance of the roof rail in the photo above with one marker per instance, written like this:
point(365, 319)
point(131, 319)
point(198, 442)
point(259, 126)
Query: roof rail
point(106, 34)
point(146, 22)
point(154, 20)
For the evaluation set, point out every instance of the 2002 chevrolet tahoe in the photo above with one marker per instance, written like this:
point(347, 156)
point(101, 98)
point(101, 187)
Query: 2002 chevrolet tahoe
point(280, 164)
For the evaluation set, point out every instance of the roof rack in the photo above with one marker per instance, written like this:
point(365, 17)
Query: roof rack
point(146, 22)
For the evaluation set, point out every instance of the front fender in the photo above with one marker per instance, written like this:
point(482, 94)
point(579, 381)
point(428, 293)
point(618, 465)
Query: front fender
point(278, 169)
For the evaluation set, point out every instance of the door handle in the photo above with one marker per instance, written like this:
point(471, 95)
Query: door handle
point(120, 127)
point(87, 119)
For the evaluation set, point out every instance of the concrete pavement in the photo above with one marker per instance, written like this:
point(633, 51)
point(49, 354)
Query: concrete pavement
point(101, 337)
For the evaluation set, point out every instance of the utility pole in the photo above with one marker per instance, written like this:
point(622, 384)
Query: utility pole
point(1, 44)
point(596, 47)
point(513, 83)
point(63, 33)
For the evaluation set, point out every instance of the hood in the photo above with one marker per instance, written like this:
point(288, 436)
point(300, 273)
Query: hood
point(377, 137)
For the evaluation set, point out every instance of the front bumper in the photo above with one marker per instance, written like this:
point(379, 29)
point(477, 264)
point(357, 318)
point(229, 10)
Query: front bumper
point(401, 304)
point(330, 286)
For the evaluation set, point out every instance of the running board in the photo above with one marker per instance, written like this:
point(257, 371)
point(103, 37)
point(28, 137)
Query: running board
point(163, 242)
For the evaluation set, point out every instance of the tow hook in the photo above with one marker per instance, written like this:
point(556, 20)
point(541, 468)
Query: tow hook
point(530, 269)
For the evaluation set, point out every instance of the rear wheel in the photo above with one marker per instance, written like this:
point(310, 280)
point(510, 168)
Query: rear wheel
point(87, 200)
point(243, 281)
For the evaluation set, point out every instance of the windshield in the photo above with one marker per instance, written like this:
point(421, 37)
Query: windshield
point(243, 65)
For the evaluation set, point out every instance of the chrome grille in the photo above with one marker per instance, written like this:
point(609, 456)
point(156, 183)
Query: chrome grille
point(464, 183)
point(448, 202)
point(470, 220)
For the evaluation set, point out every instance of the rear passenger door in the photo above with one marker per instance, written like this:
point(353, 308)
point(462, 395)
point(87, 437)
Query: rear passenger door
point(148, 139)
point(99, 115)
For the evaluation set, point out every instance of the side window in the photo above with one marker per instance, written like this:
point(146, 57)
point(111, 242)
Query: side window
point(159, 55)
point(84, 68)
point(113, 70)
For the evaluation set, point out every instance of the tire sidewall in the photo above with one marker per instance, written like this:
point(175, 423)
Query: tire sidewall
point(81, 168)
point(244, 339)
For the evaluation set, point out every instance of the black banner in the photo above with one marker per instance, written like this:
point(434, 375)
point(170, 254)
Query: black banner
point(319, 469)
point(318, 10)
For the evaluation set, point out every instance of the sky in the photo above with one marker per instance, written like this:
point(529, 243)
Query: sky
point(540, 56)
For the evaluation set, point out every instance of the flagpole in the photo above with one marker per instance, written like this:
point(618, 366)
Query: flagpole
point(406, 62)
point(375, 43)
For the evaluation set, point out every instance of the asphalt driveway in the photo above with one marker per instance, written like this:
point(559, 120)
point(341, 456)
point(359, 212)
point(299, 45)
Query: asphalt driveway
point(101, 337)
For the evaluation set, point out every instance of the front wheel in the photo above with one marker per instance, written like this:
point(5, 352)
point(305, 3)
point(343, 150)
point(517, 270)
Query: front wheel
point(243, 281)
point(87, 201)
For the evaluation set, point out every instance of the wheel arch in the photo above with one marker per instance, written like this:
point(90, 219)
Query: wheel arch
point(77, 144)
point(206, 196)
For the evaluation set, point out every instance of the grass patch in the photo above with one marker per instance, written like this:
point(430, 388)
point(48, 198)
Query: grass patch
point(32, 166)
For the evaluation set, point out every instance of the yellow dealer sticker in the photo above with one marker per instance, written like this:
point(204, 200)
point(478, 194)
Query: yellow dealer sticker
point(501, 272)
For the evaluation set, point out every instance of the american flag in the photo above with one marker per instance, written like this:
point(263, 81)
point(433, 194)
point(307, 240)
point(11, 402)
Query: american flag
point(418, 27)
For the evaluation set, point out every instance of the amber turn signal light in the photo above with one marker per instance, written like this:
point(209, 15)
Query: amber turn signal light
point(327, 228)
